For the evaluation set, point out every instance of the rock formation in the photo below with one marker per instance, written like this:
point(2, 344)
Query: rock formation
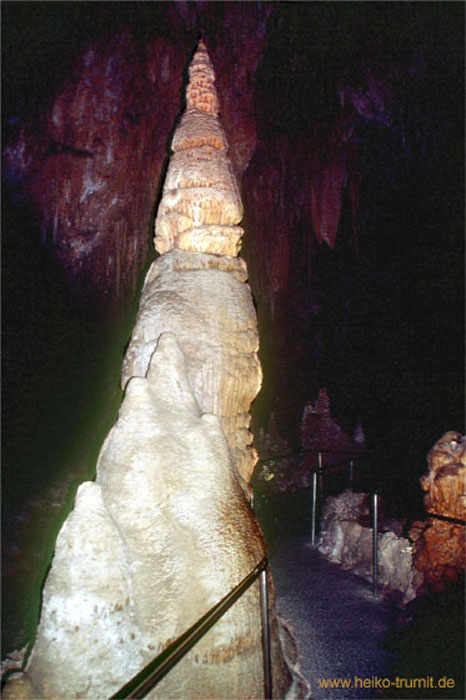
point(197, 288)
point(347, 540)
point(321, 432)
point(440, 545)
point(320, 136)
point(165, 531)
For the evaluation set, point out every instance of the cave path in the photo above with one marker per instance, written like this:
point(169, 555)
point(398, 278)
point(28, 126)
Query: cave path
point(334, 617)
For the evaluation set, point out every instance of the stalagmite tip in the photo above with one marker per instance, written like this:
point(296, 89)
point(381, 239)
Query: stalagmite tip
point(201, 93)
point(201, 206)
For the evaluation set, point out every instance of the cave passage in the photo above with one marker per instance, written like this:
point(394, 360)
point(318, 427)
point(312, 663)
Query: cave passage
point(354, 645)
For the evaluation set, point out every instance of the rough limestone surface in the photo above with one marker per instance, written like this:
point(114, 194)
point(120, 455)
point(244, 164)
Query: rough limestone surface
point(161, 535)
point(201, 205)
point(345, 541)
point(165, 531)
point(440, 546)
point(321, 432)
point(19, 687)
point(197, 288)
point(212, 315)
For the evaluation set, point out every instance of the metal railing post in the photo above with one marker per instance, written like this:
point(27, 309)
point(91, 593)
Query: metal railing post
point(314, 505)
point(351, 474)
point(374, 541)
point(265, 636)
point(321, 474)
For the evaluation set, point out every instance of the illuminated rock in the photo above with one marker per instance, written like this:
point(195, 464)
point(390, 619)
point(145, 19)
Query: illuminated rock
point(197, 289)
point(19, 687)
point(161, 535)
point(440, 545)
point(200, 299)
point(165, 531)
point(346, 539)
point(201, 205)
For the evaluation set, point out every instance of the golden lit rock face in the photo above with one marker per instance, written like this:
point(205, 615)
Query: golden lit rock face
point(201, 206)
point(197, 289)
point(445, 482)
point(440, 546)
point(201, 93)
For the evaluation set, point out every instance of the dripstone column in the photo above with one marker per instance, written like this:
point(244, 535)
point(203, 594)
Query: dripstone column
point(165, 531)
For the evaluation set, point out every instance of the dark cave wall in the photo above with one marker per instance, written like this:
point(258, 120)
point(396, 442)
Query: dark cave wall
point(345, 131)
point(89, 156)
point(345, 124)
point(358, 135)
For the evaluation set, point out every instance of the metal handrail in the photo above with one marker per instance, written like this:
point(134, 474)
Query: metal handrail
point(329, 468)
point(375, 551)
point(355, 453)
point(151, 674)
point(445, 518)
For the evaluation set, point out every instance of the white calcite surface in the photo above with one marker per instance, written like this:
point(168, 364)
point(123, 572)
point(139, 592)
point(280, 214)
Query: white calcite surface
point(345, 541)
point(213, 317)
point(162, 535)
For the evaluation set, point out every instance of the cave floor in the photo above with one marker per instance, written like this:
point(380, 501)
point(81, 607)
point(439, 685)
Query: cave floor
point(336, 620)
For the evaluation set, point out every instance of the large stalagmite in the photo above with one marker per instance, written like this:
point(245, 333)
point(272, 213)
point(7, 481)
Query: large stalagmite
point(165, 531)
point(197, 288)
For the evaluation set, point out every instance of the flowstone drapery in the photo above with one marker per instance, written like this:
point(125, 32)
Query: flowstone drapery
point(165, 531)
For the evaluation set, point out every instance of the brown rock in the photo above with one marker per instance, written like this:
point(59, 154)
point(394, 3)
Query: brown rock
point(320, 430)
point(201, 93)
point(440, 546)
point(20, 687)
point(445, 482)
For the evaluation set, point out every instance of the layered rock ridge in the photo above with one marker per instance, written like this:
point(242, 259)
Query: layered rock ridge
point(165, 531)
point(197, 288)
point(201, 205)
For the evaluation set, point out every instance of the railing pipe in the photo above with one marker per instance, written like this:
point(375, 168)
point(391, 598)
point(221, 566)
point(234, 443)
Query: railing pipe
point(273, 458)
point(374, 541)
point(321, 476)
point(445, 518)
point(266, 636)
point(314, 505)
